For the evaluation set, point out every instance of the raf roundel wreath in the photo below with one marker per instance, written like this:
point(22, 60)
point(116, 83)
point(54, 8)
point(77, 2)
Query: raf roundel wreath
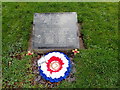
point(54, 66)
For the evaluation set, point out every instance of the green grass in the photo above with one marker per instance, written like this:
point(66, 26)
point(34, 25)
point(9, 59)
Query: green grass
point(97, 66)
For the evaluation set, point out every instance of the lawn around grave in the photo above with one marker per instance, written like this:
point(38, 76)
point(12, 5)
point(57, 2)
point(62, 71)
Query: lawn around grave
point(96, 66)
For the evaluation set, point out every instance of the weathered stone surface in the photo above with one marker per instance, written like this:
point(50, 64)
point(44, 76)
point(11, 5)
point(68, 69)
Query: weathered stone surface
point(55, 30)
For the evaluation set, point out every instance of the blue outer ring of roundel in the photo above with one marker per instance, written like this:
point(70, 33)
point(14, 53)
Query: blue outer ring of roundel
point(57, 79)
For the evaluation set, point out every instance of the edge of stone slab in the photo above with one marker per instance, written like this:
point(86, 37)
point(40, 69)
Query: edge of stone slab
point(81, 43)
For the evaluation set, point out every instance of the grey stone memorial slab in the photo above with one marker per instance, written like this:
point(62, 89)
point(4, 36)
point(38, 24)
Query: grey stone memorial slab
point(55, 31)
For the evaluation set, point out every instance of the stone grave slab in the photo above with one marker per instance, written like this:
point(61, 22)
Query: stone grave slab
point(55, 31)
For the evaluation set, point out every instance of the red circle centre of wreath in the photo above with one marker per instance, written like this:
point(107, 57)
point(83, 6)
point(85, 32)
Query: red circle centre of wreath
point(54, 64)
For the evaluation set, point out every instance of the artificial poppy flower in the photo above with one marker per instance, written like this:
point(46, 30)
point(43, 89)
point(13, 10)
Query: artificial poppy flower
point(75, 51)
point(29, 53)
